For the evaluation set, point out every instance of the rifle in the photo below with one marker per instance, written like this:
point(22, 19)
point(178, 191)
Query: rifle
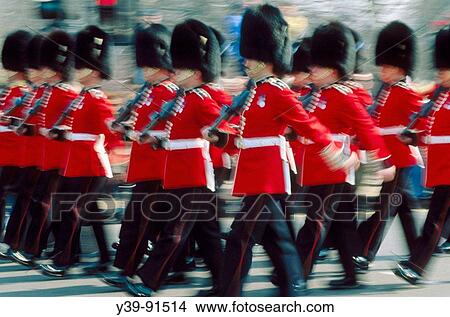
point(168, 109)
point(236, 108)
point(26, 129)
point(240, 102)
point(56, 132)
point(422, 113)
point(425, 109)
point(25, 100)
point(372, 109)
point(125, 111)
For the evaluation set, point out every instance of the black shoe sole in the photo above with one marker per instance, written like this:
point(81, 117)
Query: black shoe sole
point(343, 287)
point(30, 264)
point(95, 271)
point(113, 284)
point(399, 274)
point(53, 274)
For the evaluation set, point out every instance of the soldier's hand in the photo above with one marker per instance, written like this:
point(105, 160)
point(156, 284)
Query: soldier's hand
point(387, 174)
point(405, 139)
point(208, 135)
point(131, 122)
point(5, 120)
point(133, 135)
point(145, 138)
point(352, 162)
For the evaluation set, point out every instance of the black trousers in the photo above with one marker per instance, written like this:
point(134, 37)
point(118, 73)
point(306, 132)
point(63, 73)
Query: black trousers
point(343, 230)
point(312, 235)
point(425, 246)
point(372, 230)
point(36, 234)
point(8, 176)
point(76, 201)
point(18, 220)
point(263, 221)
point(136, 227)
point(330, 214)
point(192, 207)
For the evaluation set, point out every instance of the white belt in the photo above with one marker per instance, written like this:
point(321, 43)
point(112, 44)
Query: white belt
point(5, 129)
point(184, 144)
point(391, 130)
point(248, 143)
point(334, 137)
point(441, 139)
point(280, 141)
point(81, 136)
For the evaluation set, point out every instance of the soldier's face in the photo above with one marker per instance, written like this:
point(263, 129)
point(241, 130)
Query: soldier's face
point(301, 79)
point(321, 76)
point(150, 73)
point(444, 77)
point(186, 78)
point(35, 76)
point(391, 74)
point(254, 68)
point(82, 75)
point(48, 74)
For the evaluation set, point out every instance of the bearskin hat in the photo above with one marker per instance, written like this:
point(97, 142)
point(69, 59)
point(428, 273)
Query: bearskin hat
point(333, 46)
point(57, 52)
point(14, 56)
point(34, 52)
point(194, 46)
point(301, 60)
point(152, 46)
point(442, 48)
point(92, 50)
point(265, 37)
point(396, 46)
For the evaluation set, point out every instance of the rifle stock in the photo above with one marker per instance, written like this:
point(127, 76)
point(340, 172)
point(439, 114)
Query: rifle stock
point(168, 109)
point(239, 103)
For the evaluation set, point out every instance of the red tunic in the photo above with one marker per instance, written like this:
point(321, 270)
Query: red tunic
point(190, 165)
point(32, 144)
point(11, 143)
point(54, 154)
point(145, 162)
point(221, 98)
point(264, 169)
point(393, 111)
point(361, 93)
point(436, 137)
point(339, 109)
point(90, 137)
point(296, 145)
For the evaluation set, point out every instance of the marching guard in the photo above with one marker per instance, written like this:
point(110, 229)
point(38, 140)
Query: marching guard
point(83, 128)
point(147, 164)
point(188, 173)
point(56, 69)
point(331, 194)
point(434, 133)
point(262, 175)
point(395, 103)
point(15, 61)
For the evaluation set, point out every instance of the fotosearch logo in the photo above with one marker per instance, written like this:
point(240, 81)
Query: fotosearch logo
point(190, 206)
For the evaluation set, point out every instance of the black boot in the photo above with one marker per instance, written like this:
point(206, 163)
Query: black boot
point(344, 283)
point(54, 270)
point(215, 291)
point(404, 271)
point(23, 258)
point(176, 278)
point(96, 268)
